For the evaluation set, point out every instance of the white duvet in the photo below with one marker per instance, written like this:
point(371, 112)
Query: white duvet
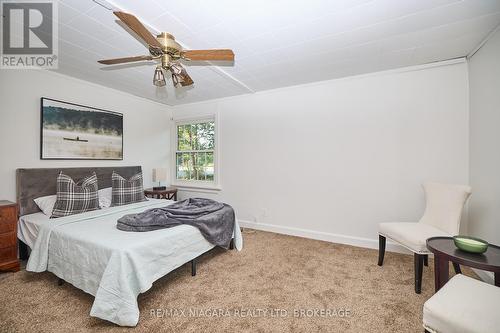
point(88, 251)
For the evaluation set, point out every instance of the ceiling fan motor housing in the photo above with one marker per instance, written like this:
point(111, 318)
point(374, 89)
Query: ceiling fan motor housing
point(169, 45)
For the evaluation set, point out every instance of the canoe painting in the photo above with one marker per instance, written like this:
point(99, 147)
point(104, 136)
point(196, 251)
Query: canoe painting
point(72, 131)
point(76, 139)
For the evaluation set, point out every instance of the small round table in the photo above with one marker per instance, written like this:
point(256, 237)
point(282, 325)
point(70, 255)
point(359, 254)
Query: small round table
point(444, 250)
point(169, 193)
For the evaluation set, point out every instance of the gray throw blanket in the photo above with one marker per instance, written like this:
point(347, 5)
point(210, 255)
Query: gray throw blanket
point(215, 220)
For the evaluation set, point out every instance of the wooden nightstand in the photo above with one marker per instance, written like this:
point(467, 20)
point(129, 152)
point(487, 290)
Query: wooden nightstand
point(8, 236)
point(170, 193)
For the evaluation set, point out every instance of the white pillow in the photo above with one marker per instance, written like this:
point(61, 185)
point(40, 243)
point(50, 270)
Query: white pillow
point(46, 204)
point(104, 197)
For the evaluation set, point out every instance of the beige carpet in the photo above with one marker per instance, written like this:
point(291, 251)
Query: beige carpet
point(275, 273)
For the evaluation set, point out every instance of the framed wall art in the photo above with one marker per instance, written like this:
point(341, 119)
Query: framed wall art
point(76, 132)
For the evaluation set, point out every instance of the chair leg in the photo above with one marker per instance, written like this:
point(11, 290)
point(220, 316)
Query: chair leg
point(381, 249)
point(426, 260)
point(419, 263)
point(457, 268)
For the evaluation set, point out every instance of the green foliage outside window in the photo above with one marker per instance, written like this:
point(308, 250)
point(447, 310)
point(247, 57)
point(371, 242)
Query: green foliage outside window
point(195, 151)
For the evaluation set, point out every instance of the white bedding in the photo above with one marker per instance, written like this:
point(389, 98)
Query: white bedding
point(88, 251)
point(28, 227)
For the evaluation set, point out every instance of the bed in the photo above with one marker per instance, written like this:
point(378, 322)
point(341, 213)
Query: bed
point(88, 251)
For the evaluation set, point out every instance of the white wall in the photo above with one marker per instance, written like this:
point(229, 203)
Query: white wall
point(333, 159)
point(328, 160)
point(484, 81)
point(146, 123)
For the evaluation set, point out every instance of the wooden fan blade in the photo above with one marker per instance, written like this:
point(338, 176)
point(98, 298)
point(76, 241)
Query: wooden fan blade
point(223, 55)
point(133, 23)
point(124, 60)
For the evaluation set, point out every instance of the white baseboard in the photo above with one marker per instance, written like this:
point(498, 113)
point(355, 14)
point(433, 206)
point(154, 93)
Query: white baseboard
point(324, 236)
point(487, 277)
point(342, 239)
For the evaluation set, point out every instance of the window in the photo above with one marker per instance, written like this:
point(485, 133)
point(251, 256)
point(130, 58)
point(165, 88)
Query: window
point(195, 151)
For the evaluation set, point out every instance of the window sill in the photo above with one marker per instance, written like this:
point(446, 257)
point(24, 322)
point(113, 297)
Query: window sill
point(198, 187)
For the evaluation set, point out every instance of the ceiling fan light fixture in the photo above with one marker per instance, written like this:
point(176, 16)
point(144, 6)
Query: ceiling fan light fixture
point(176, 80)
point(175, 68)
point(176, 71)
point(159, 78)
point(179, 75)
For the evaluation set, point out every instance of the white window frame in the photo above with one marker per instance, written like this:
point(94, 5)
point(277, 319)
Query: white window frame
point(196, 184)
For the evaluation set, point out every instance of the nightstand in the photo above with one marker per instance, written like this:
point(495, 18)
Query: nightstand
point(170, 193)
point(8, 236)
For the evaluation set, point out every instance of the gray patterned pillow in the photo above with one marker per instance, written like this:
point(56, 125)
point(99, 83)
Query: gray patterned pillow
point(125, 191)
point(75, 198)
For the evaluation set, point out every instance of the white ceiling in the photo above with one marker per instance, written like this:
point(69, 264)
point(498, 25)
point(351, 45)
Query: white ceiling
point(277, 43)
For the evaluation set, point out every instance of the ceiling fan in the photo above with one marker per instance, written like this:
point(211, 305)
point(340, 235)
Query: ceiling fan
point(168, 51)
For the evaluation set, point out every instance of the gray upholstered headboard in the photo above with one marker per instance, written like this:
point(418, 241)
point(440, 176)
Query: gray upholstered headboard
point(34, 183)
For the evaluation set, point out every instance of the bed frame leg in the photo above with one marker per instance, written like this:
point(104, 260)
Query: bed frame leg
point(23, 250)
point(231, 244)
point(60, 282)
point(193, 267)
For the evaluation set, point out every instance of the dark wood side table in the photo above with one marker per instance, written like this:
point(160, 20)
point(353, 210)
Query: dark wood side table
point(170, 193)
point(444, 250)
point(8, 236)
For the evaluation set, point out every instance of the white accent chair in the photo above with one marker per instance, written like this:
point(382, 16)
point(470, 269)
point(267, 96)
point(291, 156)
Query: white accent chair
point(444, 204)
point(463, 305)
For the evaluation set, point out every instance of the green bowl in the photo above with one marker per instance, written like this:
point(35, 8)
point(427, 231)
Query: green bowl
point(470, 244)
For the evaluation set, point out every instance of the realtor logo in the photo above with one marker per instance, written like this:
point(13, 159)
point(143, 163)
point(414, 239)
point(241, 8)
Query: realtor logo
point(29, 34)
